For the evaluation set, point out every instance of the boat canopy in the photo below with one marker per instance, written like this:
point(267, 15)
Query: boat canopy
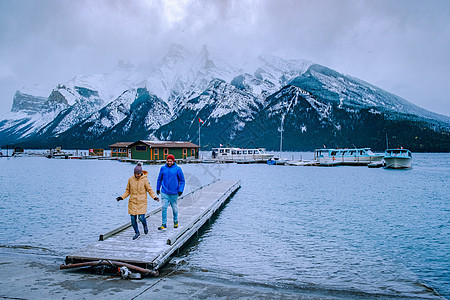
point(345, 152)
point(239, 151)
point(398, 152)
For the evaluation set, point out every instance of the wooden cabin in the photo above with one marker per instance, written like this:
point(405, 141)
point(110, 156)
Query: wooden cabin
point(121, 149)
point(159, 150)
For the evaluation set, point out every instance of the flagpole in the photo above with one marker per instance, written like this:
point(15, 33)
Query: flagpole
point(199, 144)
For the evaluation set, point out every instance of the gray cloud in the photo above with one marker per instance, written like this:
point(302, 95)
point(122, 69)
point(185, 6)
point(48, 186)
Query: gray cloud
point(401, 46)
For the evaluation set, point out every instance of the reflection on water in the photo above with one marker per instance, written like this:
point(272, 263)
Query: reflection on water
point(351, 229)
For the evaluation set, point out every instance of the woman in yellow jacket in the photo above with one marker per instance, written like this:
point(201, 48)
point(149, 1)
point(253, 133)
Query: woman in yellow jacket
point(137, 189)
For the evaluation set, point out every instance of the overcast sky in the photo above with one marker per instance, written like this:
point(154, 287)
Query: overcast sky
point(401, 46)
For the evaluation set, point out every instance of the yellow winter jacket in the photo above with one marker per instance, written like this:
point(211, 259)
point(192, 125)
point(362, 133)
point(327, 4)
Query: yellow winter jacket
point(137, 190)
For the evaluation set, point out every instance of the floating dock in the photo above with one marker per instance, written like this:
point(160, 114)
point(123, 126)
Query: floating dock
point(153, 250)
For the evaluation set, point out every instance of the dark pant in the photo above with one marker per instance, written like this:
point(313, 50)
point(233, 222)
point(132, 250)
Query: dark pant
point(134, 222)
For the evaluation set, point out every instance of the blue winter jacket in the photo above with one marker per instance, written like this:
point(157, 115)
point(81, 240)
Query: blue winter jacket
point(171, 179)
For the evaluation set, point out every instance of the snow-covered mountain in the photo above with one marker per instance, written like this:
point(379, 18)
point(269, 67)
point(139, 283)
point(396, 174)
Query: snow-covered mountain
point(241, 103)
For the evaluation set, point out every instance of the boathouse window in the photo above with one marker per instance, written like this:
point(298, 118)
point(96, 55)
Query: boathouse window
point(156, 151)
point(166, 151)
point(192, 152)
point(141, 148)
point(184, 151)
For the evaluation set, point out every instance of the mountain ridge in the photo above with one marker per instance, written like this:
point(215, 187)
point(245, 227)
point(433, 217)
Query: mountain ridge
point(317, 105)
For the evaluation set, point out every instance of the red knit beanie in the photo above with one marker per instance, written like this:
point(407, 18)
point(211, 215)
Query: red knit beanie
point(170, 156)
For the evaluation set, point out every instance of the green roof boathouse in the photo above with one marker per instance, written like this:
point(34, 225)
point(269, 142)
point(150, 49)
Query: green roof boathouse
point(159, 150)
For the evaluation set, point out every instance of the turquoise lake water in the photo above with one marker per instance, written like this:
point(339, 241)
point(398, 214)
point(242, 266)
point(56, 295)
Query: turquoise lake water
point(350, 231)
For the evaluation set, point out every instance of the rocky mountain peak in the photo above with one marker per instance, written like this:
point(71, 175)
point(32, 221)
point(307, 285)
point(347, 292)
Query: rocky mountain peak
point(26, 103)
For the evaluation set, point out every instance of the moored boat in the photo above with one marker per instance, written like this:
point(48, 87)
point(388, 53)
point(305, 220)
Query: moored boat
point(276, 161)
point(355, 156)
point(58, 153)
point(397, 158)
point(240, 154)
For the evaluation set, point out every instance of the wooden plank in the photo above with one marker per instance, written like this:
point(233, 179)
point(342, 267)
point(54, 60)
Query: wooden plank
point(156, 248)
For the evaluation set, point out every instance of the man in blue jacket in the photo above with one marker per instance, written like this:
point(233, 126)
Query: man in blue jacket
point(171, 185)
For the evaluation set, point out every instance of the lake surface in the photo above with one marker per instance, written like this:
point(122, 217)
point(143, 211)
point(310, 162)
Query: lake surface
point(345, 231)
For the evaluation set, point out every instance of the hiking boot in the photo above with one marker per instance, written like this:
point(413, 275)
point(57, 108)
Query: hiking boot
point(175, 224)
point(163, 226)
point(145, 229)
point(136, 236)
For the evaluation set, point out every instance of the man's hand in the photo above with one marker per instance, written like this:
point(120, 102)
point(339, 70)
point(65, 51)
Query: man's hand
point(179, 193)
point(156, 199)
point(158, 192)
point(119, 198)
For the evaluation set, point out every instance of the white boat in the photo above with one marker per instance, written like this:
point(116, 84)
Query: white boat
point(355, 156)
point(58, 153)
point(276, 161)
point(239, 154)
point(397, 158)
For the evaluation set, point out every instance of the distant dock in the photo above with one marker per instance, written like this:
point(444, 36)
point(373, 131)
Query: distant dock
point(149, 253)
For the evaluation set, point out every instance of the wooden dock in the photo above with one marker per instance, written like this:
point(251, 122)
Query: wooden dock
point(155, 249)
